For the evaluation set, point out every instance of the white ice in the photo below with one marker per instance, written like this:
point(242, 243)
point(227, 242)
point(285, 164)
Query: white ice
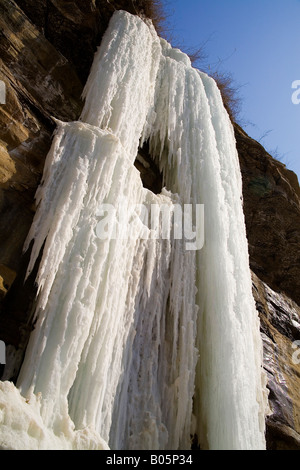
point(138, 341)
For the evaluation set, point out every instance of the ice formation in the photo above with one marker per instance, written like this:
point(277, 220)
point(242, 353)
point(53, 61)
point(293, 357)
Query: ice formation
point(140, 342)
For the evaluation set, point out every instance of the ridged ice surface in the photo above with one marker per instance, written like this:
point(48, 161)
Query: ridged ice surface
point(140, 341)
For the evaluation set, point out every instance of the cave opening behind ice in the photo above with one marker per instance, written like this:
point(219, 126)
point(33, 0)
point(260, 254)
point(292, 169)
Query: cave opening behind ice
point(151, 177)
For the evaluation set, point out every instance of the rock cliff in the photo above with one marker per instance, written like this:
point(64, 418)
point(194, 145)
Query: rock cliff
point(47, 49)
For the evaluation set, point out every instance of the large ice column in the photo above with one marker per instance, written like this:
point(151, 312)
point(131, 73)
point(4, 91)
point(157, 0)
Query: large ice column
point(194, 139)
point(142, 338)
point(120, 88)
point(233, 416)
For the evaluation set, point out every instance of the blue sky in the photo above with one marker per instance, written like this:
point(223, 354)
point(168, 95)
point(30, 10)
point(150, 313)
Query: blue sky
point(257, 42)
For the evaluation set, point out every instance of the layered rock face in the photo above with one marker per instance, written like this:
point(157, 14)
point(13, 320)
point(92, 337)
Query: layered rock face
point(40, 84)
point(272, 209)
point(280, 331)
point(272, 212)
point(47, 49)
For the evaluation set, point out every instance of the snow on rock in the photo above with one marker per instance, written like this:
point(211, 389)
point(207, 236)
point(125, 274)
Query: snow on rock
point(142, 337)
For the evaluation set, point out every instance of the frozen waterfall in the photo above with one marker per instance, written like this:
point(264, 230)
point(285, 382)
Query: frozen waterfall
point(142, 337)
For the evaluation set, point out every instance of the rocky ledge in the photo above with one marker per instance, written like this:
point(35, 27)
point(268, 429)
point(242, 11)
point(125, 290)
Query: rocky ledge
point(280, 330)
